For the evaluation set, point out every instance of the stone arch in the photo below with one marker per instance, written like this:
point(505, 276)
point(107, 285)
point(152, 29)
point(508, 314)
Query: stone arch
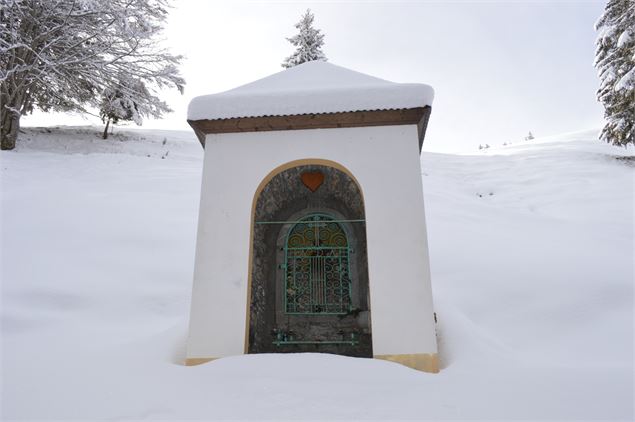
point(281, 199)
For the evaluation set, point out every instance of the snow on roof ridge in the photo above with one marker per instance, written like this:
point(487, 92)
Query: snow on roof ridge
point(310, 88)
point(310, 72)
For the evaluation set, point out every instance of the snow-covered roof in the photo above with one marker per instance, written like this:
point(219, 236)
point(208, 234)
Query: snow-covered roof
point(310, 88)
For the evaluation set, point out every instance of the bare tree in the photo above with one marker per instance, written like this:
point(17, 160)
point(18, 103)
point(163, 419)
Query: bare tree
point(63, 55)
point(129, 100)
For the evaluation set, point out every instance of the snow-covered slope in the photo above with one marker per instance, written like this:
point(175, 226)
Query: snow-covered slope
point(532, 266)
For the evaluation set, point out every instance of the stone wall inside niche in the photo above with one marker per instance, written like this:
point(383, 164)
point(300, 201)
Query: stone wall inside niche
point(286, 197)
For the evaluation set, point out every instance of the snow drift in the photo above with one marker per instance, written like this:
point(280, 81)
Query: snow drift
point(532, 268)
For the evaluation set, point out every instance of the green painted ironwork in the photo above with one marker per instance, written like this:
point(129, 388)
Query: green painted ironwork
point(299, 221)
point(290, 342)
point(316, 267)
point(287, 338)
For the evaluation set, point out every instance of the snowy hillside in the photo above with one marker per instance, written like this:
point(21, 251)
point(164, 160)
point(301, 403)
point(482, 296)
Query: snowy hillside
point(532, 270)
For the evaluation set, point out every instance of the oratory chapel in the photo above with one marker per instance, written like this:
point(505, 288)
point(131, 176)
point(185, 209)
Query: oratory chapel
point(311, 233)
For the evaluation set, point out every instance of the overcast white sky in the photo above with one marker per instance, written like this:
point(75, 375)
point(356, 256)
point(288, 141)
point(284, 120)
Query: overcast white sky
point(499, 68)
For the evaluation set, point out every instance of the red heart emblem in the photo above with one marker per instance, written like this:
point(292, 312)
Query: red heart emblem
point(312, 179)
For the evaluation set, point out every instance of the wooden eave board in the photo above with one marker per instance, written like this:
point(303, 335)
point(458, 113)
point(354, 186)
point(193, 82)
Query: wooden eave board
point(418, 116)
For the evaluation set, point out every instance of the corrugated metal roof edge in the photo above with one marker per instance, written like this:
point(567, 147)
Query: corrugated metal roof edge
point(377, 117)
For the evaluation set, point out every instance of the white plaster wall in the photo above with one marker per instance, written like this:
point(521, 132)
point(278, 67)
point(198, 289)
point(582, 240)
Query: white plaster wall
point(385, 161)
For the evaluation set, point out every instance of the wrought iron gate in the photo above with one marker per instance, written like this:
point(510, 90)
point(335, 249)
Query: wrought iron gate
point(316, 268)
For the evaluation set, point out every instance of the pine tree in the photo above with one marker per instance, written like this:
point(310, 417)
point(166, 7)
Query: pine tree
point(308, 43)
point(615, 62)
point(62, 55)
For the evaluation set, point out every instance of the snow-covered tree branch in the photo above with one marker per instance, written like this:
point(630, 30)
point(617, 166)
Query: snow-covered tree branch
point(65, 55)
point(125, 102)
point(615, 61)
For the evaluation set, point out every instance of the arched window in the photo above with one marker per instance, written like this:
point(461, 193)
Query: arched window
point(316, 264)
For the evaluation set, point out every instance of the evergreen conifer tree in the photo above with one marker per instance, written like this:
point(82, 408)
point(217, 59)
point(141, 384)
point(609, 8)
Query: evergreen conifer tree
point(615, 62)
point(308, 43)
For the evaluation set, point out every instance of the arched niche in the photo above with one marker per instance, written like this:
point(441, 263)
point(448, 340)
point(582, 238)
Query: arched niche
point(284, 201)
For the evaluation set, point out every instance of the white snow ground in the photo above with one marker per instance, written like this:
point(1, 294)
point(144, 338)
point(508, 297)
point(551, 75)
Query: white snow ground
point(532, 268)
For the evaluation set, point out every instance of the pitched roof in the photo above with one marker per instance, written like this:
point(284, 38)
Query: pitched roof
point(310, 88)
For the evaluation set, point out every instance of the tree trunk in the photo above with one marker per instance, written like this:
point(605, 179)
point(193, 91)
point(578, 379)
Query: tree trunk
point(9, 126)
point(105, 136)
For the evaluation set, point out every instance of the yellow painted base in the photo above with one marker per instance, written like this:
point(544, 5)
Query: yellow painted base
point(197, 361)
point(426, 362)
